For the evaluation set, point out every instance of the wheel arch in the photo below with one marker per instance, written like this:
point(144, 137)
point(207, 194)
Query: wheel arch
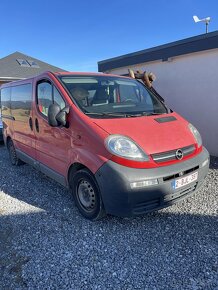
point(98, 210)
point(74, 168)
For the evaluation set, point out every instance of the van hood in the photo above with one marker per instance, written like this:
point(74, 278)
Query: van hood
point(153, 134)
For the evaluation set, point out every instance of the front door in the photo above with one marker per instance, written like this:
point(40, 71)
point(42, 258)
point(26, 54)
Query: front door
point(52, 143)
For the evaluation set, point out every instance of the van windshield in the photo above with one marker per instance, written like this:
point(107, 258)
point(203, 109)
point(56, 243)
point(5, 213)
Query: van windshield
point(108, 96)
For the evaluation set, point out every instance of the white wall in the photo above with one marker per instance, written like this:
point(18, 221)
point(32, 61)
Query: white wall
point(189, 84)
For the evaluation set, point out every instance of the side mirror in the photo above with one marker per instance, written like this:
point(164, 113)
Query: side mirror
point(56, 116)
point(62, 116)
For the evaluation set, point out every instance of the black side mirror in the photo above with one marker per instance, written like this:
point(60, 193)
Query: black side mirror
point(56, 116)
point(53, 110)
point(62, 116)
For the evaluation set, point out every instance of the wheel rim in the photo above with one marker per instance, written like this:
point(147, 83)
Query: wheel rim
point(86, 195)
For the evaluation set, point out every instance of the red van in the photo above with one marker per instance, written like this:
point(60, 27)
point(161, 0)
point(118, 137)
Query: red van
point(110, 140)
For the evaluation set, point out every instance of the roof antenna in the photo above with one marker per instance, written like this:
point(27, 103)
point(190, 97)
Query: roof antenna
point(206, 20)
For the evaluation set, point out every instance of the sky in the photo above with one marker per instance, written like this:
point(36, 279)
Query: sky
point(75, 35)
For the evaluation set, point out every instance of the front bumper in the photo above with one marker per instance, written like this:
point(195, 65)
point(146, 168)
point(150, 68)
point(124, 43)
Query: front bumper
point(119, 199)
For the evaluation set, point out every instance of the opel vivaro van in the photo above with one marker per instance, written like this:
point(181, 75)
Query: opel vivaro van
point(110, 140)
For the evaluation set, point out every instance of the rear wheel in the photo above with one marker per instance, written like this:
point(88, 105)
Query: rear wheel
point(13, 155)
point(87, 195)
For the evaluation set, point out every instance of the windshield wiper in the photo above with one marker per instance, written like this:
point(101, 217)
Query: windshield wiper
point(106, 114)
point(131, 115)
point(152, 113)
point(122, 115)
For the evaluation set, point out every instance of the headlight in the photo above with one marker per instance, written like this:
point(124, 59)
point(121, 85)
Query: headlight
point(124, 147)
point(196, 134)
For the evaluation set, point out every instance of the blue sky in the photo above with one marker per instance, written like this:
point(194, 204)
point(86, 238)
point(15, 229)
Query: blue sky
point(75, 35)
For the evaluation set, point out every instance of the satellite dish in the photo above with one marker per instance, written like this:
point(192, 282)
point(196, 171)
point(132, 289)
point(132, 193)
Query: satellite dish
point(205, 20)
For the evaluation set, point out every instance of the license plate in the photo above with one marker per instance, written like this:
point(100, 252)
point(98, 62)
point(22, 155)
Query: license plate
point(185, 180)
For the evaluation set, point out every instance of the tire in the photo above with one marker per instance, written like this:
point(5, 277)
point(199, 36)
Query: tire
point(87, 195)
point(15, 161)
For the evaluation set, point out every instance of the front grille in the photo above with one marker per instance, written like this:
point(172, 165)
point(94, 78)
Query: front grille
point(146, 206)
point(180, 174)
point(171, 155)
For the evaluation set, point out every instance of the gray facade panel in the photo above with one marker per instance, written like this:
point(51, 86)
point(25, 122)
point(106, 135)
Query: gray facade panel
point(163, 52)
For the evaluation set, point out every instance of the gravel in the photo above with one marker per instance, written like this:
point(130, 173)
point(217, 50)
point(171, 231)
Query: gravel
point(46, 244)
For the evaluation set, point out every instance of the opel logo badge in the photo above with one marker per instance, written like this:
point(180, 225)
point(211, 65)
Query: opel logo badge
point(179, 154)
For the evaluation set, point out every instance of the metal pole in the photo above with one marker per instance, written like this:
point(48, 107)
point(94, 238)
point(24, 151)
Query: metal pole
point(206, 27)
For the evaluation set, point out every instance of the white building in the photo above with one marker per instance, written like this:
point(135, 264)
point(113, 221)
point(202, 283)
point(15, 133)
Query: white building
point(187, 78)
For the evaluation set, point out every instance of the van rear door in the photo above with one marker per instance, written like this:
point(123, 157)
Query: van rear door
point(21, 111)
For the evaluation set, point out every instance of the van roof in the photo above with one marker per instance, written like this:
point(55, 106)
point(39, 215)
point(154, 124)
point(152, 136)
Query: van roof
point(86, 74)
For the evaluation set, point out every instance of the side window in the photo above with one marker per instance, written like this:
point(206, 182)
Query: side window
point(47, 94)
point(21, 102)
point(44, 95)
point(6, 101)
point(58, 99)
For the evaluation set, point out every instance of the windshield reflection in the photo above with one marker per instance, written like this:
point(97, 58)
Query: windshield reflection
point(107, 96)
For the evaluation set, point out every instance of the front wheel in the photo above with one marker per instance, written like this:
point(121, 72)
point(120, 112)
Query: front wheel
point(13, 155)
point(87, 195)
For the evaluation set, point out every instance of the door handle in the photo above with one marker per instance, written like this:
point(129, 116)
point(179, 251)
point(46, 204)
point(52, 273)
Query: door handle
point(31, 123)
point(37, 125)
